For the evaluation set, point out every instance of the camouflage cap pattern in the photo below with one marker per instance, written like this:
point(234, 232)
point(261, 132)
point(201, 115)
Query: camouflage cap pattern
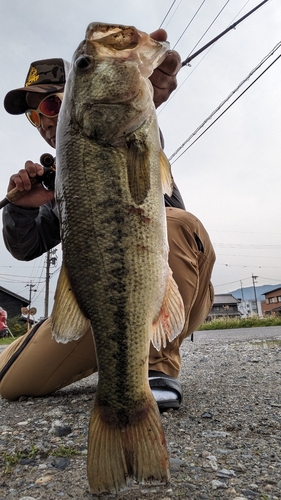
point(44, 77)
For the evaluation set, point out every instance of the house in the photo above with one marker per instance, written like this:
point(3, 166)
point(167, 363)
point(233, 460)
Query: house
point(225, 305)
point(249, 308)
point(11, 302)
point(272, 304)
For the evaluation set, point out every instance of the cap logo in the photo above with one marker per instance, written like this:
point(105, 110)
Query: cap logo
point(32, 76)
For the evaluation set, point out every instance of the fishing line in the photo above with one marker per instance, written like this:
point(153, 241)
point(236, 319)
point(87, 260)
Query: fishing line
point(224, 102)
point(214, 20)
point(189, 58)
point(189, 23)
point(194, 68)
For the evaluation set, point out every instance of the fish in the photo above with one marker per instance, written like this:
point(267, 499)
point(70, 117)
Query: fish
point(110, 178)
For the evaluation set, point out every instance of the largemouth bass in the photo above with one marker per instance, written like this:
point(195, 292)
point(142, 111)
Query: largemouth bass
point(111, 175)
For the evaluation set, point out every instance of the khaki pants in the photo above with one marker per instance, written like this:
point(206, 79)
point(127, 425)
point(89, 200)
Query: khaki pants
point(40, 366)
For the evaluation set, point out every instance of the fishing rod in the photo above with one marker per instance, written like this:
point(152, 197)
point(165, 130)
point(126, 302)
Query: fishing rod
point(47, 180)
point(189, 58)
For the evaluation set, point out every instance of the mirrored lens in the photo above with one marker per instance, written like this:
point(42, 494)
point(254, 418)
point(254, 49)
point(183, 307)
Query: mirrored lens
point(50, 106)
point(33, 117)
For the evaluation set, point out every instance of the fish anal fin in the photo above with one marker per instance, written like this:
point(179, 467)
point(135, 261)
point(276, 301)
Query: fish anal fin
point(166, 174)
point(116, 453)
point(68, 321)
point(138, 169)
point(170, 322)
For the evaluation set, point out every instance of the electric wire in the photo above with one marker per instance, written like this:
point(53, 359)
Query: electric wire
point(187, 26)
point(195, 67)
point(225, 101)
point(209, 27)
point(173, 14)
point(167, 14)
point(189, 58)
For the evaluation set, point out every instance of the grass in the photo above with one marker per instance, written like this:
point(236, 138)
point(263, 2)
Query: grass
point(229, 323)
point(7, 340)
point(215, 324)
point(14, 458)
point(65, 452)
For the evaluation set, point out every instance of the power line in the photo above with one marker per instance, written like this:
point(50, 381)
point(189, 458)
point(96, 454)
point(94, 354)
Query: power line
point(209, 27)
point(189, 23)
point(224, 102)
point(189, 58)
point(167, 14)
point(194, 68)
point(245, 266)
point(172, 15)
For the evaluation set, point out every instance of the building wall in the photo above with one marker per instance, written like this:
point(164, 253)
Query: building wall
point(272, 301)
point(249, 308)
point(11, 304)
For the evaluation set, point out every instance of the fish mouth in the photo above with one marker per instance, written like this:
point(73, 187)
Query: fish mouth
point(117, 37)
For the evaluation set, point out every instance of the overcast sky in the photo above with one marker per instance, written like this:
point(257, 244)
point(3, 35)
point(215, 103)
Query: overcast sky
point(230, 178)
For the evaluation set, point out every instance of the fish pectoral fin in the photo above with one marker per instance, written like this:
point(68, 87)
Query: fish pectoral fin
point(166, 174)
point(170, 322)
point(117, 452)
point(67, 320)
point(138, 169)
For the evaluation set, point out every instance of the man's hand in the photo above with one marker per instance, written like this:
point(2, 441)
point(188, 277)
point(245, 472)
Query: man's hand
point(164, 78)
point(33, 196)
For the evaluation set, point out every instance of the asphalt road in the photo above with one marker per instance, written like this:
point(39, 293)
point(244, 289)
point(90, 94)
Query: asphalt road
point(239, 334)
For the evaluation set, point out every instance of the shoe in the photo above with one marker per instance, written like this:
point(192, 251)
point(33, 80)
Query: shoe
point(166, 390)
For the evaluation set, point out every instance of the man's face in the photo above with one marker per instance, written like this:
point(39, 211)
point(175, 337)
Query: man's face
point(48, 125)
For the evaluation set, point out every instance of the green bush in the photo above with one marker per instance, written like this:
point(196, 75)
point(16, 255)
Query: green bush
point(228, 323)
point(16, 326)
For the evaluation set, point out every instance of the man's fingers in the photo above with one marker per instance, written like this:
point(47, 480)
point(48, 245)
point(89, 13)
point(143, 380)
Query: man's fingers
point(159, 35)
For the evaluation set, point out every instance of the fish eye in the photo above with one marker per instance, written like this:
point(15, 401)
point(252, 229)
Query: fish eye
point(83, 62)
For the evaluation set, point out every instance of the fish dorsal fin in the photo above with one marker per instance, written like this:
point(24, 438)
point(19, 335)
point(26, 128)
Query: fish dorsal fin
point(170, 322)
point(68, 321)
point(138, 169)
point(166, 174)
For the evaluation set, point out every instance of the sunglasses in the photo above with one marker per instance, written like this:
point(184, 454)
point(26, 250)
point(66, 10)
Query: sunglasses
point(50, 107)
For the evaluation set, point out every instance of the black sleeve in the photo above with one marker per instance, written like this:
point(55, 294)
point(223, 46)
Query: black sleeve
point(174, 201)
point(28, 233)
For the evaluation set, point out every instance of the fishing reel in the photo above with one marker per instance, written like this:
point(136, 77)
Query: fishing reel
point(47, 180)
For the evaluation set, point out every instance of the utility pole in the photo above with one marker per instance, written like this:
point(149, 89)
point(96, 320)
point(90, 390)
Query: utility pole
point(244, 307)
point(51, 260)
point(31, 286)
point(254, 286)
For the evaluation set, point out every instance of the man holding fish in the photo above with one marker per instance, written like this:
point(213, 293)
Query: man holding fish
point(35, 364)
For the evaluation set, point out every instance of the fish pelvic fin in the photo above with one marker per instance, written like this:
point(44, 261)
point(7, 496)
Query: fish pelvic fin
point(166, 174)
point(119, 452)
point(170, 322)
point(68, 321)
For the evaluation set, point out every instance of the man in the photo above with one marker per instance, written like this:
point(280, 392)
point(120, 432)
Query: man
point(35, 365)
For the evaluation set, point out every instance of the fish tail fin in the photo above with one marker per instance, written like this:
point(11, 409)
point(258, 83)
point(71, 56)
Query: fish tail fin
point(171, 319)
point(136, 450)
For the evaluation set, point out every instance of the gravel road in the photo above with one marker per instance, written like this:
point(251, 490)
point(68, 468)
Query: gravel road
point(224, 441)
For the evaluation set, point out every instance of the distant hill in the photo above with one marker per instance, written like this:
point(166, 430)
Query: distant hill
point(249, 293)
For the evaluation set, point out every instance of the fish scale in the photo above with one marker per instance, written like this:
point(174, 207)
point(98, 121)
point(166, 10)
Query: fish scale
point(115, 272)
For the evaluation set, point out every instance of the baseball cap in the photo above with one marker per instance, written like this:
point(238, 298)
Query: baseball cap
point(45, 76)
